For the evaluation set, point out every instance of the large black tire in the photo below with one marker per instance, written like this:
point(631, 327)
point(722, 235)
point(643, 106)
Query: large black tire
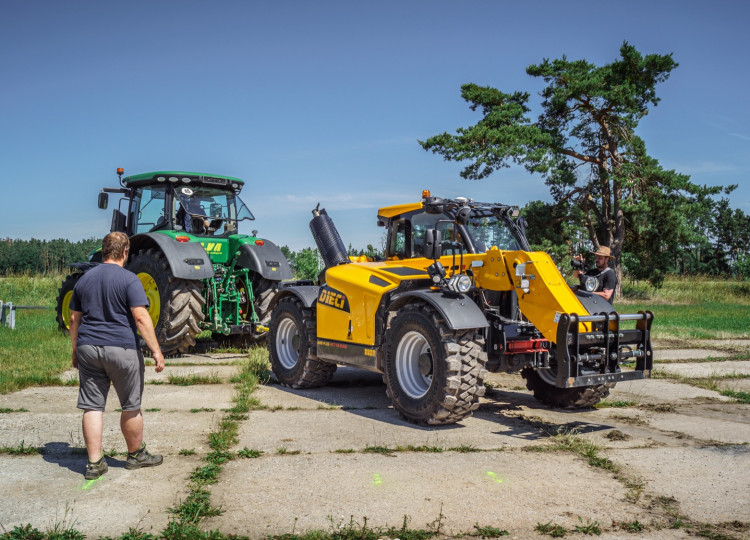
point(291, 346)
point(581, 397)
point(264, 290)
point(176, 305)
point(64, 294)
point(433, 375)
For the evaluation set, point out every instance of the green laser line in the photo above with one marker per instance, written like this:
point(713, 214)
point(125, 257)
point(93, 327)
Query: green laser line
point(377, 479)
point(495, 477)
point(90, 483)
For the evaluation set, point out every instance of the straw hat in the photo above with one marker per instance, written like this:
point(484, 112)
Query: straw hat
point(603, 251)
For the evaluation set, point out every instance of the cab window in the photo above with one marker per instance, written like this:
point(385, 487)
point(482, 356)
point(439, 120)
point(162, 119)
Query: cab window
point(148, 208)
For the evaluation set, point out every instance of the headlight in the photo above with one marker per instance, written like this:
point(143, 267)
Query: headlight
point(591, 284)
point(459, 283)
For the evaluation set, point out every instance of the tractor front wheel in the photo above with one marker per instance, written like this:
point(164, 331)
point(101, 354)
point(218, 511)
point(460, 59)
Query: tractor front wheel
point(433, 375)
point(291, 346)
point(175, 305)
point(65, 292)
point(581, 397)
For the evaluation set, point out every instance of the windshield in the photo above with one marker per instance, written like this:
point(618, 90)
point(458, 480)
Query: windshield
point(206, 210)
point(491, 231)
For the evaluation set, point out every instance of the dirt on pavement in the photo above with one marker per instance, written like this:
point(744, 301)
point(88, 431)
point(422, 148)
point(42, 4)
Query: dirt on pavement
point(340, 454)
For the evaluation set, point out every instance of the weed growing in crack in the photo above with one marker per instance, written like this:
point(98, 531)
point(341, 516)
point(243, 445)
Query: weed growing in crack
point(551, 529)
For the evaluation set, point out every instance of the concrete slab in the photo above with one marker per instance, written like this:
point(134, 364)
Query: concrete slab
point(736, 385)
point(169, 423)
point(222, 372)
point(510, 490)
point(708, 369)
point(698, 477)
point(206, 359)
point(688, 354)
point(50, 490)
point(661, 391)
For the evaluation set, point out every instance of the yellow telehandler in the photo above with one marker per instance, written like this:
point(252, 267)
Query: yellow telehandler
point(459, 293)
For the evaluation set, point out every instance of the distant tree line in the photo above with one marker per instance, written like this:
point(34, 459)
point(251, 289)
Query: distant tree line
point(713, 239)
point(43, 256)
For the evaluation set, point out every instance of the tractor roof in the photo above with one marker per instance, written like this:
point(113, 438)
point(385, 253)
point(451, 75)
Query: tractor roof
point(182, 176)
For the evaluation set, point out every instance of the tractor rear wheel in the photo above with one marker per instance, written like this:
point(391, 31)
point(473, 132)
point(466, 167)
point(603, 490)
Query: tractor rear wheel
point(65, 292)
point(581, 397)
point(175, 304)
point(291, 346)
point(434, 375)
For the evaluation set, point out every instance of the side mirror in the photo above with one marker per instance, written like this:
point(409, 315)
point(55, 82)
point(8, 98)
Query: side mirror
point(432, 248)
point(103, 200)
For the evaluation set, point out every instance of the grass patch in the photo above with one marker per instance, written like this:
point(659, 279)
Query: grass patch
point(632, 526)
point(5, 410)
point(20, 450)
point(423, 448)
point(383, 450)
point(194, 379)
point(186, 452)
point(588, 528)
point(36, 352)
point(248, 453)
point(464, 449)
point(615, 404)
point(551, 529)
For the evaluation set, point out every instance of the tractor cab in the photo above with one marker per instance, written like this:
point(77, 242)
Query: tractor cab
point(204, 206)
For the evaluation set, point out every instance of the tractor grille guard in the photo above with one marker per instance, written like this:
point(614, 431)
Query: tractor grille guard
point(590, 358)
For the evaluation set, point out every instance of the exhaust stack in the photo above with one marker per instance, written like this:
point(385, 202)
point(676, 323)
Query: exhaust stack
point(327, 239)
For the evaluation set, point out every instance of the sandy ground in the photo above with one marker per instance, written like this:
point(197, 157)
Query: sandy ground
point(680, 450)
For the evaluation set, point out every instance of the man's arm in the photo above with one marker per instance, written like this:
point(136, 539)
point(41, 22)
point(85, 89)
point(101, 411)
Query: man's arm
point(605, 293)
point(609, 282)
point(146, 328)
point(75, 323)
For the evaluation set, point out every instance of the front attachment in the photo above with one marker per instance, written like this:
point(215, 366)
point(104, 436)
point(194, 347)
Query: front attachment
point(590, 358)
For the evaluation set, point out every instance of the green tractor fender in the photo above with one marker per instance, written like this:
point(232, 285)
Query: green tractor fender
point(265, 259)
point(459, 311)
point(187, 260)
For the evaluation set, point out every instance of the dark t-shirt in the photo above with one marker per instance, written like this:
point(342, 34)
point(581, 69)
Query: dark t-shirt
point(105, 295)
point(606, 279)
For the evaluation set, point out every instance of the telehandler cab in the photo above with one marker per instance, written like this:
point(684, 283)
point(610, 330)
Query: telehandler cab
point(458, 294)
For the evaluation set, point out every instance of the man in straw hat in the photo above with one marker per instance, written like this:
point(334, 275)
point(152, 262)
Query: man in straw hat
point(606, 279)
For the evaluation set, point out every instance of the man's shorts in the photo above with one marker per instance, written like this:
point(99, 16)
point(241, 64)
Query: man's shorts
point(98, 366)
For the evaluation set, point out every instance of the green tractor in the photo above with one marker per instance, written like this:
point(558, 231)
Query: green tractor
point(198, 272)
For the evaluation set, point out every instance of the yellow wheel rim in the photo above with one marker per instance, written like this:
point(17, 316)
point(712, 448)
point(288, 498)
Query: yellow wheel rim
point(65, 311)
point(246, 306)
point(152, 293)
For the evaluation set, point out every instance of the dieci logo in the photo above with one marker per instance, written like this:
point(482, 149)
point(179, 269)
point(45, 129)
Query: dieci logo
point(333, 298)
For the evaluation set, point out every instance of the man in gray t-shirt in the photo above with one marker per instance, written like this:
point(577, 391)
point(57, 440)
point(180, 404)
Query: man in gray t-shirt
point(107, 307)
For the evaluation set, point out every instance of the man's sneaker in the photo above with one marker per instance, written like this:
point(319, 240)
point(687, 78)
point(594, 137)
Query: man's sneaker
point(142, 458)
point(95, 470)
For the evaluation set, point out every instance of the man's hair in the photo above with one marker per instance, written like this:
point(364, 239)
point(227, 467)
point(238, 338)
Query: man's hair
point(114, 246)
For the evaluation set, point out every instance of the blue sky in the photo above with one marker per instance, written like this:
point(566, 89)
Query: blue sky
point(324, 101)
